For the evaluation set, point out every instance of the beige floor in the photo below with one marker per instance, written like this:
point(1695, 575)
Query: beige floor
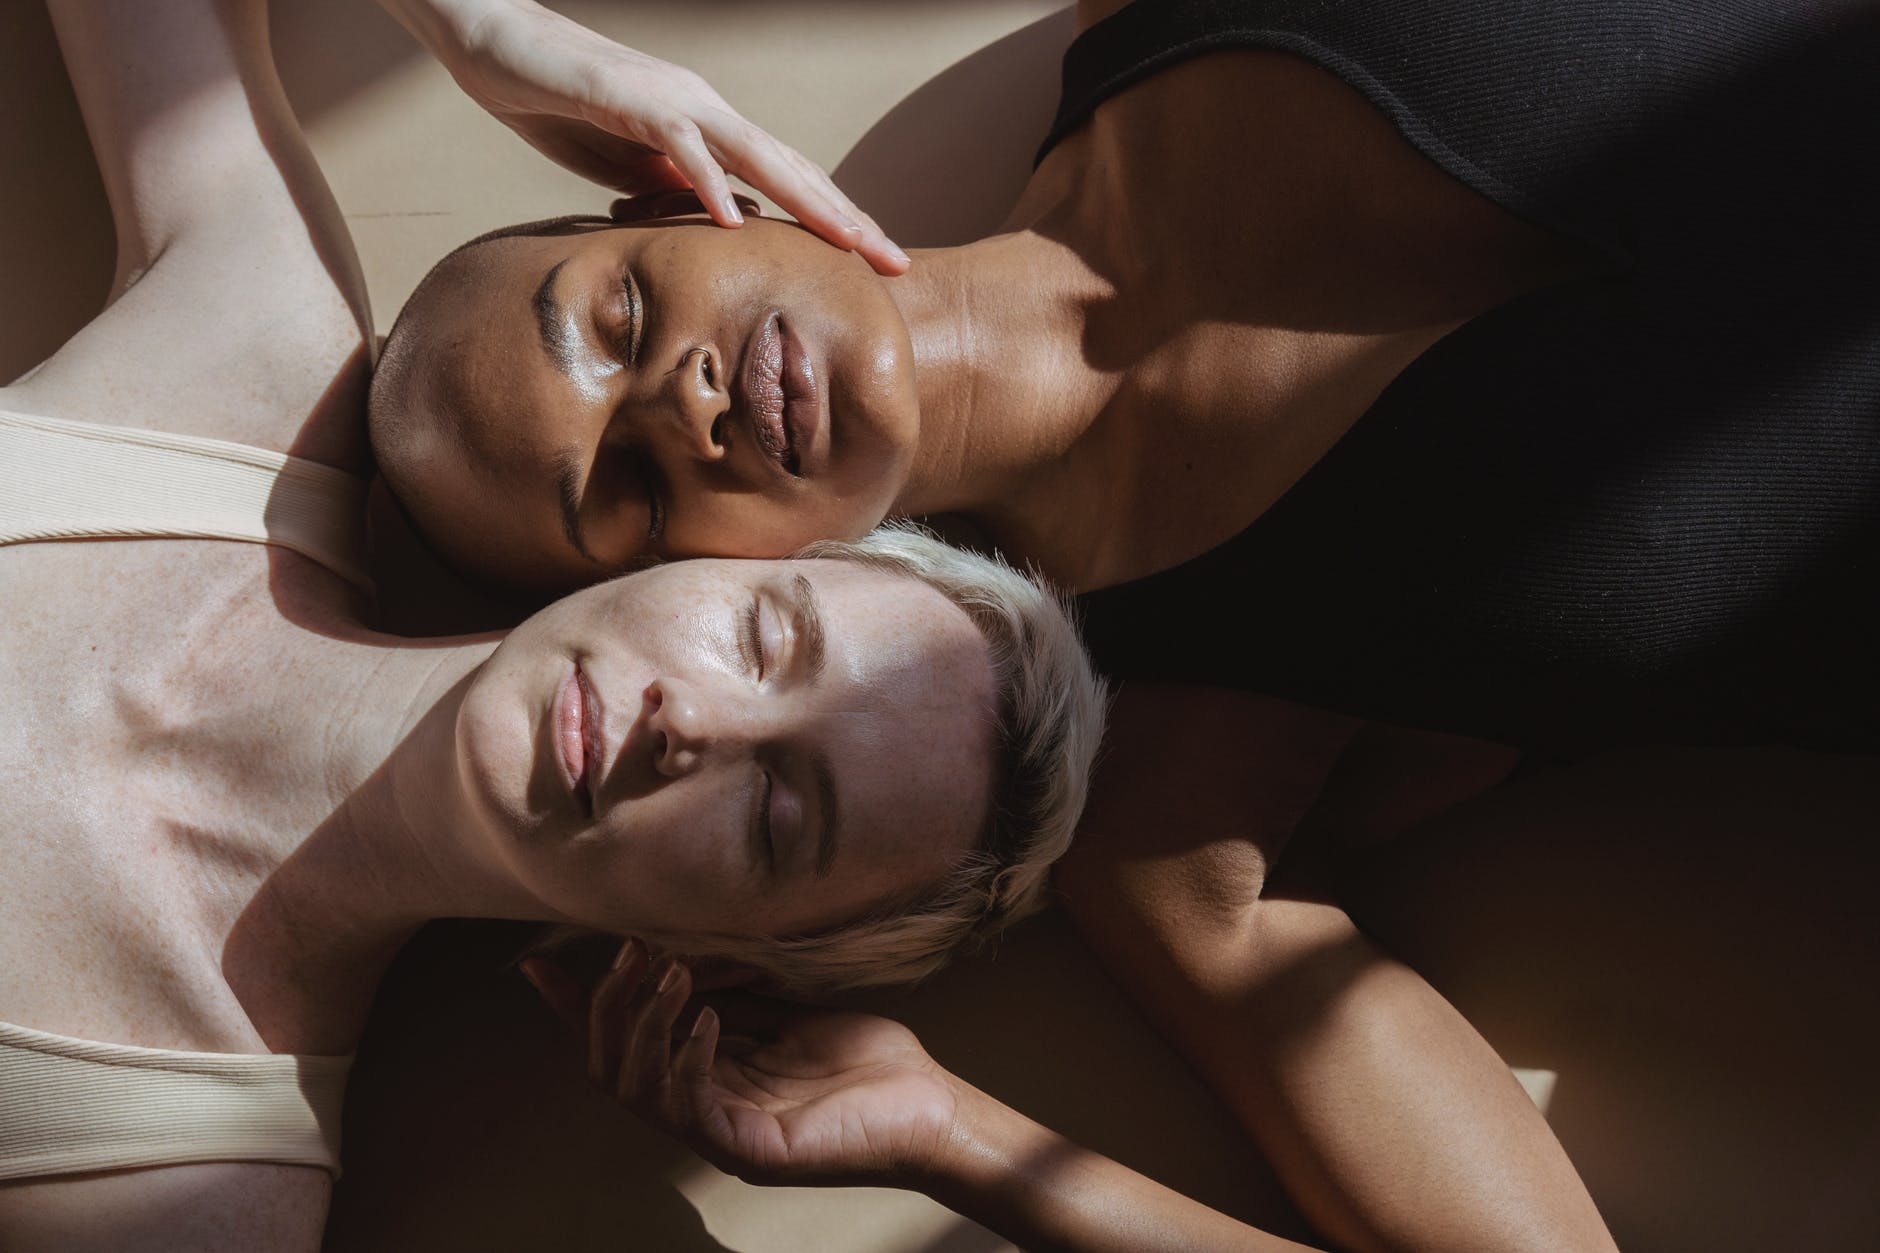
point(1682, 949)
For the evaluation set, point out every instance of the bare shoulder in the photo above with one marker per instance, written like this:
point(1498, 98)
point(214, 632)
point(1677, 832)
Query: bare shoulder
point(1188, 763)
point(204, 1208)
point(1196, 794)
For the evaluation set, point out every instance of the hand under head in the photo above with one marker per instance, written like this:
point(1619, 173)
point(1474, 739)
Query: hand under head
point(564, 400)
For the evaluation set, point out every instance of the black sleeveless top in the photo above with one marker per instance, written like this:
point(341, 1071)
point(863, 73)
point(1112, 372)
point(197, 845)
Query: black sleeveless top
point(1643, 505)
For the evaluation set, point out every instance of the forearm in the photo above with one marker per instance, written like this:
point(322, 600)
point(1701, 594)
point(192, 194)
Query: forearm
point(440, 24)
point(1042, 1191)
point(1391, 1121)
point(186, 115)
point(239, 309)
point(1397, 1124)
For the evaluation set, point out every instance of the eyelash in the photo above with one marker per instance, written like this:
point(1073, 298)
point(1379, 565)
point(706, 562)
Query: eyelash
point(754, 634)
point(636, 319)
point(655, 510)
point(763, 821)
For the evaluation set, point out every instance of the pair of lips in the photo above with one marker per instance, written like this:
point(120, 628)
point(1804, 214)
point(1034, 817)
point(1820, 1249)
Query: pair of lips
point(579, 737)
point(781, 394)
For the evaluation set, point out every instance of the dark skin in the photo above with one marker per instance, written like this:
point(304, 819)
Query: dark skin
point(1122, 378)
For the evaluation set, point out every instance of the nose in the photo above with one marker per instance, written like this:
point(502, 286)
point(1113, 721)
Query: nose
point(691, 726)
point(697, 405)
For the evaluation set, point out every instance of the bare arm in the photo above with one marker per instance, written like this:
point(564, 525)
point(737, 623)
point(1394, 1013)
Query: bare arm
point(1391, 1122)
point(808, 1096)
point(1042, 1191)
point(237, 310)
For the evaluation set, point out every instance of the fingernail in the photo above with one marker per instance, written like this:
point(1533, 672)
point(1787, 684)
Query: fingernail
point(699, 1023)
point(669, 978)
point(733, 212)
point(895, 251)
point(626, 953)
point(524, 969)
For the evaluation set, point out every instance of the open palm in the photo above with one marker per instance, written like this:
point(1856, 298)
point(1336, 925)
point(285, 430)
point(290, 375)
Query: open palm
point(796, 1095)
point(832, 1098)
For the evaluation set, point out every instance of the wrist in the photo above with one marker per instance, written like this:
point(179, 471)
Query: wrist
point(443, 26)
point(977, 1149)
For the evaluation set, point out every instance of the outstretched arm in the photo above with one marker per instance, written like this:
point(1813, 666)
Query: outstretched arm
point(788, 1095)
point(1390, 1121)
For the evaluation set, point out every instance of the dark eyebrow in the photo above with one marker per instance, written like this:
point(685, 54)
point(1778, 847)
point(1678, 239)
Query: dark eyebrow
point(828, 838)
point(568, 488)
point(812, 642)
point(553, 323)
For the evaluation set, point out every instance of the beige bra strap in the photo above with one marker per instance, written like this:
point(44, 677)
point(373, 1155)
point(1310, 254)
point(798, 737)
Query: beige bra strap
point(62, 480)
point(71, 1105)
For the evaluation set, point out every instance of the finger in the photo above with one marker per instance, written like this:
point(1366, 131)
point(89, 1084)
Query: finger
point(870, 242)
point(624, 165)
point(885, 256)
point(645, 1070)
point(795, 183)
point(692, 1073)
point(805, 192)
point(566, 995)
point(607, 1016)
point(687, 150)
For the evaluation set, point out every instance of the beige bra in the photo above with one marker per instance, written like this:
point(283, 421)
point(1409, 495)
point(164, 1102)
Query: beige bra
point(65, 480)
point(69, 1105)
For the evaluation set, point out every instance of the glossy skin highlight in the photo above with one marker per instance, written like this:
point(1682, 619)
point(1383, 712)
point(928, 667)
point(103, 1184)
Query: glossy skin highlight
point(583, 397)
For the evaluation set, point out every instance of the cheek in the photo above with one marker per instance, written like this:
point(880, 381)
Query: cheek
point(676, 859)
point(492, 743)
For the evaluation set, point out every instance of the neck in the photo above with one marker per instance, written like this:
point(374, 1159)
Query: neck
point(1004, 391)
point(1110, 328)
point(334, 904)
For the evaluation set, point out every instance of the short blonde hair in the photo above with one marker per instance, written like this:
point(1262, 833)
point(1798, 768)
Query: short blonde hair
point(1049, 722)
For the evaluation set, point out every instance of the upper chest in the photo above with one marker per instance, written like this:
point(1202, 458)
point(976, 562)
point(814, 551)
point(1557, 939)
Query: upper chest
point(124, 664)
point(1278, 254)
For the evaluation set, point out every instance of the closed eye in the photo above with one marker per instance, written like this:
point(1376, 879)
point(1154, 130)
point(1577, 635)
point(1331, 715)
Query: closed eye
point(764, 839)
point(651, 483)
point(754, 635)
point(636, 318)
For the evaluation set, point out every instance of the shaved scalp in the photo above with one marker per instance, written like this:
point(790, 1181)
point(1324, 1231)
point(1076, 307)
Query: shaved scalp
point(414, 440)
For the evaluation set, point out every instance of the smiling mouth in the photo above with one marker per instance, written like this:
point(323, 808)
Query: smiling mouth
point(781, 394)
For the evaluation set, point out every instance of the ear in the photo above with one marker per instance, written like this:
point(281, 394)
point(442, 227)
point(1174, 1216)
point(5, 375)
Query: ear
point(673, 203)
